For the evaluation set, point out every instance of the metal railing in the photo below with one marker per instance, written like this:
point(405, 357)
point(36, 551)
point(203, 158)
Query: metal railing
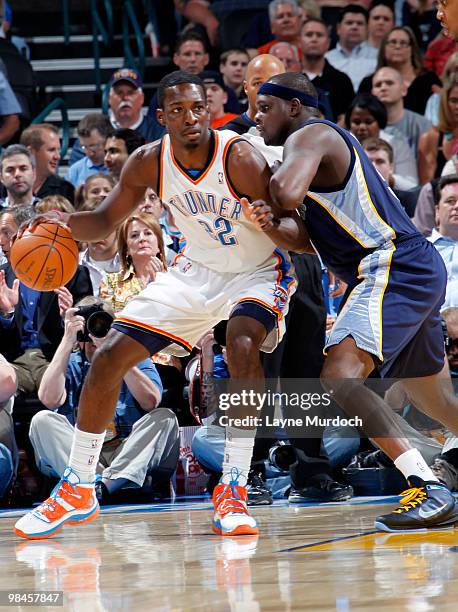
point(57, 104)
point(66, 19)
point(99, 29)
point(130, 20)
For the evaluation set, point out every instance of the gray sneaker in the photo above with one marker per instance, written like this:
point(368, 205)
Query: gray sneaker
point(446, 473)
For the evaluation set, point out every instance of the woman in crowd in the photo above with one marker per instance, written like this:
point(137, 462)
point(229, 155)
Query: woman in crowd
point(366, 118)
point(400, 50)
point(96, 186)
point(142, 256)
point(449, 73)
point(439, 144)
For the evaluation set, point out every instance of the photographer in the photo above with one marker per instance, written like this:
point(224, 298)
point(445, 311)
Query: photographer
point(143, 440)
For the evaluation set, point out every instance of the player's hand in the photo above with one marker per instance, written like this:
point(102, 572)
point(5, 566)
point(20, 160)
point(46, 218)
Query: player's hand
point(9, 297)
point(337, 287)
point(260, 214)
point(64, 299)
point(73, 323)
point(53, 216)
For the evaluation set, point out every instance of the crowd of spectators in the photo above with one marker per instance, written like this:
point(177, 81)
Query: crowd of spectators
point(384, 71)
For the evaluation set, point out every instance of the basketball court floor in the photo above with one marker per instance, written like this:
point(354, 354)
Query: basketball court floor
point(164, 557)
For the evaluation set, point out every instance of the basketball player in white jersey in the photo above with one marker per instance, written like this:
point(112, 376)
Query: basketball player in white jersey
point(229, 270)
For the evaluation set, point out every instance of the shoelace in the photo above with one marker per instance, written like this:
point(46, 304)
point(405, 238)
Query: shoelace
point(412, 498)
point(50, 506)
point(234, 503)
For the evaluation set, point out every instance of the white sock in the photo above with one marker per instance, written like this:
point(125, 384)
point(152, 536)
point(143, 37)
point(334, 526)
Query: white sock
point(411, 463)
point(85, 454)
point(237, 454)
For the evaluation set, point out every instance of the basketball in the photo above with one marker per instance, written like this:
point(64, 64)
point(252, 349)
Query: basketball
point(45, 257)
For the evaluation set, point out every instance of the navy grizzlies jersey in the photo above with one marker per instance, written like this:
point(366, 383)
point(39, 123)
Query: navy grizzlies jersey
point(353, 219)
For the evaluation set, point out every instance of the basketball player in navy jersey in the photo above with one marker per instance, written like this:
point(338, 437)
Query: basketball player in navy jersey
point(396, 284)
point(229, 270)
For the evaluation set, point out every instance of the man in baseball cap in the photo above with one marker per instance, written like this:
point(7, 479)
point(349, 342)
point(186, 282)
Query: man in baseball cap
point(217, 95)
point(126, 101)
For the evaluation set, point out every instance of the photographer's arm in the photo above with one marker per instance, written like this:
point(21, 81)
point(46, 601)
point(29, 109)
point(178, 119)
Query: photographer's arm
point(52, 392)
point(144, 390)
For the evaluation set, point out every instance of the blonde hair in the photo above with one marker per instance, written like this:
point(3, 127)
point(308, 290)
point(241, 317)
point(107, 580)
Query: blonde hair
point(54, 202)
point(123, 230)
point(450, 68)
point(81, 191)
point(446, 123)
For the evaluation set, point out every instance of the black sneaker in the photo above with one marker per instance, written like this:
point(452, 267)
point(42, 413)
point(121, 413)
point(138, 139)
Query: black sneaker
point(426, 505)
point(258, 492)
point(446, 473)
point(101, 493)
point(323, 490)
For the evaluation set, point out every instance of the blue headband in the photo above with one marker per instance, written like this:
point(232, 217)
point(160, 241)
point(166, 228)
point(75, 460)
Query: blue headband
point(287, 93)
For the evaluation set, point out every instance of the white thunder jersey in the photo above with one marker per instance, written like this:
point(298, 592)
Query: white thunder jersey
point(208, 212)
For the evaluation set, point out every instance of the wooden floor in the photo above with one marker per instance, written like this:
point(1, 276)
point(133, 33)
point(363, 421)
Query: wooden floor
point(163, 557)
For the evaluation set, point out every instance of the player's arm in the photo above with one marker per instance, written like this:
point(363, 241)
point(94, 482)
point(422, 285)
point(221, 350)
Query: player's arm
point(302, 155)
point(139, 172)
point(250, 175)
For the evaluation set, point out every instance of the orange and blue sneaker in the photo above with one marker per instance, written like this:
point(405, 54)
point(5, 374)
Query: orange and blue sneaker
point(70, 503)
point(231, 515)
point(427, 505)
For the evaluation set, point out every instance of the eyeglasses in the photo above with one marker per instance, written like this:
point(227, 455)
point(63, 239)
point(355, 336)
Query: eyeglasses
point(398, 43)
point(93, 147)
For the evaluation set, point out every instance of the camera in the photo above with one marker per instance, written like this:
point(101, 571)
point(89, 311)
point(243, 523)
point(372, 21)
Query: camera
point(97, 322)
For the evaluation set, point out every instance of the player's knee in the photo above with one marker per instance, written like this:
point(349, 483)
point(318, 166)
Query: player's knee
point(241, 349)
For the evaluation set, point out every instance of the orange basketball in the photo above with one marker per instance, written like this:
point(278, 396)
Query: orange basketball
point(45, 258)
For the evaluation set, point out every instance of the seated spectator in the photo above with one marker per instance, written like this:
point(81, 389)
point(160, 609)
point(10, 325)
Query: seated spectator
point(366, 117)
point(199, 12)
point(389, 87)
point(445, 466)
point(288, 54)
point(31, 321)
point(100, 257)
point(285, 24)
point(232, 65)
point(445, 237)
point(54, 202)
point(171, 235)
point(381, 21)
point(142, 441)
point(337, 85)
point(10, 111)
point(141, 252)
point(352, 54)
point(93, 130)
point(42, 139)
point(118, 147)
point(217, 97)
point(260, 69)
point(438, 144)
point(126, 101)
point(399, 50)
point(8, 448)
point(191, 55)
point(381, 155)
point(438, 53)
point(450, 72)
point(94, 187)
point(17, 173)
point(10, 220)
